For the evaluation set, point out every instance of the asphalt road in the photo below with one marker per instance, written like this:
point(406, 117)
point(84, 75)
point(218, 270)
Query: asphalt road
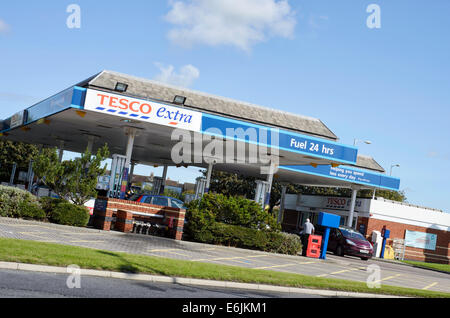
point(349, 268)
point(21, 284)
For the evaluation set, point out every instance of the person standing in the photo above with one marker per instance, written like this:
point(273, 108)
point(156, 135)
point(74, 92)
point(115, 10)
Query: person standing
point(308, 229)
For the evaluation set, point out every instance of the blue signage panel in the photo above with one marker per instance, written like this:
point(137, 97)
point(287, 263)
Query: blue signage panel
point(420, 240)
point(281, 139)
point(329, 220)
point(349, 174)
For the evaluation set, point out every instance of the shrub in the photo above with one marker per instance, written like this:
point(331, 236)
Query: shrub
point(66, 213)
point(13, 200)
point(49, 204)
point(31, 211)
point(234, 211)
point(238, 236)
point(238, 222)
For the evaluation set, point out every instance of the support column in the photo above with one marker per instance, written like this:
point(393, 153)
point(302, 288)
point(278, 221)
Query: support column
point(131, 133)
point(164, 178)
point(282, 203)
point(130, 176)
point(352, 207)
point(374, 193)
point(30, 175)
point(270, 182)
point(13, 174)
point(91, 141)
point(61, 150)
point(208, 177)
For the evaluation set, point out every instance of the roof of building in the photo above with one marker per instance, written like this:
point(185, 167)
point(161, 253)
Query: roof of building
point(149, 89)
point(369, 163)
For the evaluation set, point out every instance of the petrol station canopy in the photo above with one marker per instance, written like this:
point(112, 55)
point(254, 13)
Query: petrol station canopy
point(104, 106)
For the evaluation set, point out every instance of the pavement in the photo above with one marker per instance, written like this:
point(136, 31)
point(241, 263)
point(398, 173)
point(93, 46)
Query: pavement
point(46, 282)
point(83, 273)
point(391, 272)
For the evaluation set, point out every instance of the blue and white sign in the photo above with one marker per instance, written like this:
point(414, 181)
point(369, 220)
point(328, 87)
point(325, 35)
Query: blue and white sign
point(281, 139)
point(420, 240)
point(142, 110)
point(349, 174)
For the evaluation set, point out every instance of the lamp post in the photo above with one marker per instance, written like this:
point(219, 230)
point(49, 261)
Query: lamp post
point(368, 142)
point(394, 166)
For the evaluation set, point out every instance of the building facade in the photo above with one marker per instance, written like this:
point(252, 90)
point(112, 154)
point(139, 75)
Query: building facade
point(426, 232)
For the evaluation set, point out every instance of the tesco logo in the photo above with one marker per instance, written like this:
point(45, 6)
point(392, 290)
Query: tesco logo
point(142, 110)
point(125, 104)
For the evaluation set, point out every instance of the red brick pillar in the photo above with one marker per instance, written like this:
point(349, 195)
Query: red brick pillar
point(102, 215)
point(175, 222)
point(124, 221)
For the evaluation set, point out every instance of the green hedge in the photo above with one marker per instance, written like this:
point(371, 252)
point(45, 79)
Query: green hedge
point(238, 222)
point(66, 213)
point(268, 241)
point(234, 211)
point(17, 203)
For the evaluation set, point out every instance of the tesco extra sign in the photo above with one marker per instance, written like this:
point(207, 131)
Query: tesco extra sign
point(142, 110)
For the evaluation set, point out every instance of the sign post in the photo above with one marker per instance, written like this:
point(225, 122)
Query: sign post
point(385, 234)
point(328, 221)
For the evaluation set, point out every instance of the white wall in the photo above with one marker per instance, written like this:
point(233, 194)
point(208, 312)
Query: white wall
point(379, 209)
point(403, 213)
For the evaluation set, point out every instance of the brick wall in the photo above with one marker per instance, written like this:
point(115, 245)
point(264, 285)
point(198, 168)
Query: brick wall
point(105, 212)
point(440, 255)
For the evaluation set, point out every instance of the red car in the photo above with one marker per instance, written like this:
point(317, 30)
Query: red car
point(347, 241)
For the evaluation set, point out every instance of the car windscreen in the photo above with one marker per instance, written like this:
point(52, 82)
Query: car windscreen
point(177, 204)
point(352, 234)
point(134, 197)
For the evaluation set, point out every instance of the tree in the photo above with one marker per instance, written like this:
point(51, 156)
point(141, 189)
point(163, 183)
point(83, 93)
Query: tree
point(238, 185)
point(15, 152)
point(74, 180)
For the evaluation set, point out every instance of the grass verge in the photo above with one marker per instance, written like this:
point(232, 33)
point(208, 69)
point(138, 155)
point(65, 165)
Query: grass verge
point(440, 267)
point(31, 252)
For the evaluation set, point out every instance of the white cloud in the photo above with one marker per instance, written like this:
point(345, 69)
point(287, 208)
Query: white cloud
point(4, 28)
point(185, 78)
point(240, 23)
point(438, 155)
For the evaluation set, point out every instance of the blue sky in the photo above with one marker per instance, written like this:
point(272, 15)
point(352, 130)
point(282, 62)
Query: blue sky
point(310, 57)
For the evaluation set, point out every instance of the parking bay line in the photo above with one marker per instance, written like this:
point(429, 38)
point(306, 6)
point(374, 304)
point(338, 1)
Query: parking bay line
point(226, 258)
point(429, 286)
point(170, 251)
point(342, 271)
point(387, 278)
point(284, 265)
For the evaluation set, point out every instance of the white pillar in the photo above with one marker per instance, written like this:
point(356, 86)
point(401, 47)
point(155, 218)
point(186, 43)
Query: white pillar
point(61, 150)
point(131, 133)
point(90, 145)
point(164, 178)
point(352, 207)
point(130, 175)
point(374, 193)
point(208, 176)
point(282, 202)
point(270, 182)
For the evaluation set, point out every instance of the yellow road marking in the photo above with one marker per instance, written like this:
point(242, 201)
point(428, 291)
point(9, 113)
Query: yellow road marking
point(387, 278)
point(87, 241)
point(276, 266)
point(226, 258)
point(342, 271)
point(429, 286)
point(32, 233)
point(170, 251)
